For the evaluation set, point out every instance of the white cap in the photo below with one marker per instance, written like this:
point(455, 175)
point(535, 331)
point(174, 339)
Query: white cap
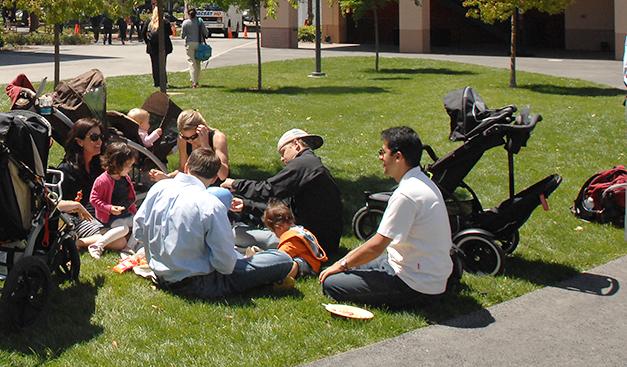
point(314, 141)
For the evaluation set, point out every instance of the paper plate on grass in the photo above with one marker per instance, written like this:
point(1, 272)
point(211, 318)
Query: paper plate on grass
point(350, 312)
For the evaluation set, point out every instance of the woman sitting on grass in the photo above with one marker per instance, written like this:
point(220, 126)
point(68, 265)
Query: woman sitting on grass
point(194, 133)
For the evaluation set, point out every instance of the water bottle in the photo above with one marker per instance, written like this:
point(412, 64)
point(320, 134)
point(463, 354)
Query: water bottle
point(588, 203)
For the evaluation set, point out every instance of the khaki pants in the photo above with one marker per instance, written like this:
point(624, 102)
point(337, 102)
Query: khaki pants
point(194, 65)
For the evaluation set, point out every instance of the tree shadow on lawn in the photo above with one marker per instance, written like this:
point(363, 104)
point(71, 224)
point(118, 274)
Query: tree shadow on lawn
point(574, 91)
point(64, 322)
point(313, 90)
point(414, 71)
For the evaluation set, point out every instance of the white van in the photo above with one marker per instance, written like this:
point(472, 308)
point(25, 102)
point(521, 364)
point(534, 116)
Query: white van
point(218, 21)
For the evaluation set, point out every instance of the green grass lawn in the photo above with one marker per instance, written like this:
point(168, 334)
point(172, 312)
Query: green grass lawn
point(116, 319)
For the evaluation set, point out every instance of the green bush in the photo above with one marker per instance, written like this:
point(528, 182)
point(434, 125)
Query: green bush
point(307, 33)
point(36, 38)
point(1, 41)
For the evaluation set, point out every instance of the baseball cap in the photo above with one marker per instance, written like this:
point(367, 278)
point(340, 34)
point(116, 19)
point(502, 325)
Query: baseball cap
point(314, 141)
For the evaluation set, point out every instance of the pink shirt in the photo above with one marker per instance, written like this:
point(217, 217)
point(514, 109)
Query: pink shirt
point(148, 139)
point(101, 194)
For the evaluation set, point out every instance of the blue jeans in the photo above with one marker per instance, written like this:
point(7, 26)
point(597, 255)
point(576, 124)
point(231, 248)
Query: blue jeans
point(374, 283)
point(246, 236)
point(263, 268)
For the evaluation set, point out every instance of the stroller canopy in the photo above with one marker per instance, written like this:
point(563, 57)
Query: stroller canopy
point(83, 96)
point(24, 141)
point(466, 110)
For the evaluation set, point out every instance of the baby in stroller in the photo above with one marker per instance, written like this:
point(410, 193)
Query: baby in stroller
point(142, 118)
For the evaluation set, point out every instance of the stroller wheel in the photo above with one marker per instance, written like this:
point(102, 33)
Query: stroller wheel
point(481, 255)
point(26, 291)
point(366, 221)
point(510, 244)
point(67, 262)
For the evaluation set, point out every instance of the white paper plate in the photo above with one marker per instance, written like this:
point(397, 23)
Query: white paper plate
point(350, 312)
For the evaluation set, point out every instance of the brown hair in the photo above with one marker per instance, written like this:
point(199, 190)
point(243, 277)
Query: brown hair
point(204, 162)
point(277, 212)
point(116, 155)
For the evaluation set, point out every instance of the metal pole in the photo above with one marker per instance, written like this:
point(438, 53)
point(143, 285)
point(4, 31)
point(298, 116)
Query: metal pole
point(318, 73)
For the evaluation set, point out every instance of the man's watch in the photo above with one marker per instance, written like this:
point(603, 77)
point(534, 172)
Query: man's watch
point(344, 265)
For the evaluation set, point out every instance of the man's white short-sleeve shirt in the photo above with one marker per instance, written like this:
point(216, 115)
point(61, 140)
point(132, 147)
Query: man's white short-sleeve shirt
point(417, 222)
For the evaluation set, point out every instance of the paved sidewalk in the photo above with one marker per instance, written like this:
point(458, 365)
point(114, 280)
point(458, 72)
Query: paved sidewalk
point(131, 59)
point(579, 322)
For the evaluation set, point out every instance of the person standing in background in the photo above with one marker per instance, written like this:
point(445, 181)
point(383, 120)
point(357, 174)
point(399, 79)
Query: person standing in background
point(122, 29)
point(107, 29)
point(95, 26)
point(150, 34)
point(193, 31)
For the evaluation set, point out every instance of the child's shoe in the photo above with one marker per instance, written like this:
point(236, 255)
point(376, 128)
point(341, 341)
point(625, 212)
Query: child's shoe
point(95, 250)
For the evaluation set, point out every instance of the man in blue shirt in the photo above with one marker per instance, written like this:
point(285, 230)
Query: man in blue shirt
point(188, 238)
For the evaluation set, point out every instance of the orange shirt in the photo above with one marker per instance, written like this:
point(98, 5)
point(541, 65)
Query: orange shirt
point(299, 242)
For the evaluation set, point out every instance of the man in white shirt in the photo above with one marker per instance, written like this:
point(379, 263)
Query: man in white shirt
point(408, 260)
point(188, 238)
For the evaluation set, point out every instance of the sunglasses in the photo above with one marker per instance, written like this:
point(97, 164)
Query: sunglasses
point(382, 152)
point(95, 137)
point(189, 138)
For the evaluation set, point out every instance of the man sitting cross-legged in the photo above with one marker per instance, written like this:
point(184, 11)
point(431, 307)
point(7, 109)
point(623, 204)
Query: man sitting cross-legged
point(408, 260)
point(188, 238)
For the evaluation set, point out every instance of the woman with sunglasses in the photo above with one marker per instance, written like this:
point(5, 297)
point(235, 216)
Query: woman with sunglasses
point(194, 133)
point(80, 167)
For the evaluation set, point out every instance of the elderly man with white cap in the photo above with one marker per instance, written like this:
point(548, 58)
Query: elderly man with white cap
point(304, 183)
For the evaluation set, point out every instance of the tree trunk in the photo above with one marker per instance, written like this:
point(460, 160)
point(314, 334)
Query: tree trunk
point(376, 38)
point(309, 12)
point(163, 84)
point(57, 58)
point(512, 64)
point(257, 15)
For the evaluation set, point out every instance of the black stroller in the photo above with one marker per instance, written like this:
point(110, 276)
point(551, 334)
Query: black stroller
point(35, 238)
point(481, 236)
point(85, 96)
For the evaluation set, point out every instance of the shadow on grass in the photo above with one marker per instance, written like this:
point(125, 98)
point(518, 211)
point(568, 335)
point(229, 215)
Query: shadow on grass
point(65, 322)
point(455, 309)
point(314, 90)
point(538, 272)
point(561, 276)
point(574, 91)
point(392, 78)
point(248, 298)
point(439, 71)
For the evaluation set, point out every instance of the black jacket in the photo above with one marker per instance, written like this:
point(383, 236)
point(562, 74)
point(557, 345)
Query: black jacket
point(311, 192)
point(151, 38)
point(77, 179)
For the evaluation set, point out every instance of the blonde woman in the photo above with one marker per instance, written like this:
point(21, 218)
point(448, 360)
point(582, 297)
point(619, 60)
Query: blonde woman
point(194, 133)
point(151, 38)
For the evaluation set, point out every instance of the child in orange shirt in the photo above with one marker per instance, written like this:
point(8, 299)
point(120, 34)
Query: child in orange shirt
point(294, 240)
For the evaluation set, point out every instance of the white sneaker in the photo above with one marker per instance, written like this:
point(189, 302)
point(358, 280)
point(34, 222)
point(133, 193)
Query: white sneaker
point(95, 250)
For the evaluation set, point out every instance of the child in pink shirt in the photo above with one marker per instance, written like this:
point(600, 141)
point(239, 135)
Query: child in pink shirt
point(113, 195)
point(142, 119)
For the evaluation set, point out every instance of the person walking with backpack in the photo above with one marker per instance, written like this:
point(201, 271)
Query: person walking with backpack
point(194, 32)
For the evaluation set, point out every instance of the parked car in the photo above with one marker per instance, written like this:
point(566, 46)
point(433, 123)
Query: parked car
point(219, 21)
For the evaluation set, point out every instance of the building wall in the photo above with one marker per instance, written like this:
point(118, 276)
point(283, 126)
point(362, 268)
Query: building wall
point(589, 25)
point(281, 32)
